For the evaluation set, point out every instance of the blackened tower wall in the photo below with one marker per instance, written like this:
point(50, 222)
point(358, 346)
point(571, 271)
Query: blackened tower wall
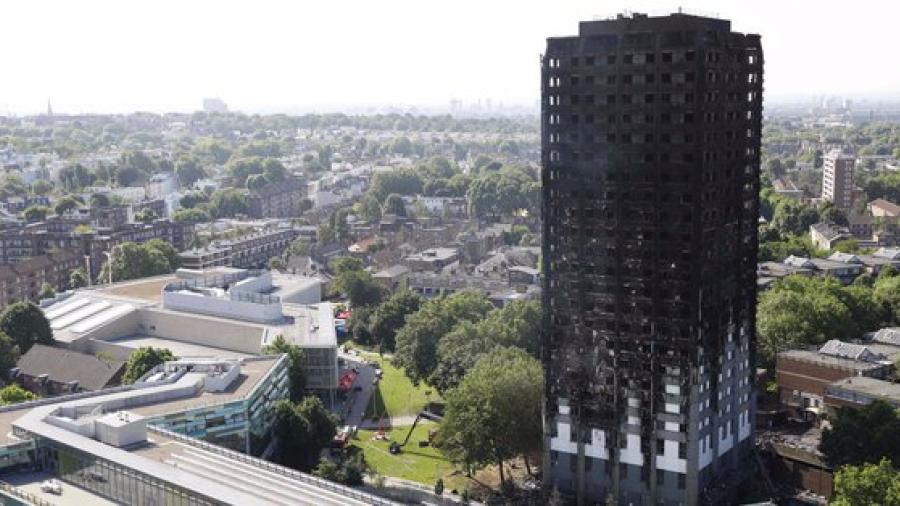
point(650, 150)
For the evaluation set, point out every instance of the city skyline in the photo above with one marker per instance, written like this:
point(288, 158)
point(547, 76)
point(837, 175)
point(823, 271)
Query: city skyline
point(262, 60)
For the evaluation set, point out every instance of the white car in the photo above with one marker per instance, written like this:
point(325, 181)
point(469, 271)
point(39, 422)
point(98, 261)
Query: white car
point(52, 486)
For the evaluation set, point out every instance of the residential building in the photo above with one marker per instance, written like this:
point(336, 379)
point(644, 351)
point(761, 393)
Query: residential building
point(432, 259)
point(843, 272)
point(825, 235)
point(837, 179)
point(650, 150)
point(23, 280)
point(161, 185)
point(873, 231)
point(49, 371)
point(277, 200)
point(19, 243)
point(883, 208)
point(393, 278)
point(248, 251)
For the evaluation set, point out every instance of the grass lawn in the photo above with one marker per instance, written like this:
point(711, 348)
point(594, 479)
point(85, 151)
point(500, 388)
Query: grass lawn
point(424, 465)
point(396, 395)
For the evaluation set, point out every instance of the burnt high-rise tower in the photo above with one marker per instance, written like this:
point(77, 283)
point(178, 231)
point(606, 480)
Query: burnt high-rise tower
point(650, 150)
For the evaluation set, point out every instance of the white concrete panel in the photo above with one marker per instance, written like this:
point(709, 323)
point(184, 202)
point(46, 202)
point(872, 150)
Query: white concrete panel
point(631, 454)
point(669, 460)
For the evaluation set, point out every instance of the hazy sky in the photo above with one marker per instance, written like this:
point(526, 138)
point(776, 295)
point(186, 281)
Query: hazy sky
point(161, 55)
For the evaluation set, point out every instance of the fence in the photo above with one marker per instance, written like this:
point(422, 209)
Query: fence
point(275, 468)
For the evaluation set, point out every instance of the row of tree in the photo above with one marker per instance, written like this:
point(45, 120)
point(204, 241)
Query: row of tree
point(799, 311)
point(132, 260)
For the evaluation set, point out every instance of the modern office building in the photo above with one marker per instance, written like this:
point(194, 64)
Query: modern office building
point(224, 314)
point(163, 440)
point(650, 152)
point(837, 179)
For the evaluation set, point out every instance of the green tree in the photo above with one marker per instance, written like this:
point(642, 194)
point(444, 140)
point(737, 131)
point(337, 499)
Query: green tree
point(42, 187)
point(132, 261)
point(390, 316)
point(145, 215)
point(194, 215)
point(228, 203)
point(9, 353)
point(36, 213)
point(495, 412)
point(66, 204)
point(47, 291)
point(887, 294)
point(394, 204)
point(296, 358)
point(859, 435)
point(142, 360)
point(303, 431)
point(26, 324)
point(14, 394)
point(100, 200)
point(78, 278)
point(188, 171)
point(417, 341)
point(800, 310)
point(867, 484)
point(193, 199)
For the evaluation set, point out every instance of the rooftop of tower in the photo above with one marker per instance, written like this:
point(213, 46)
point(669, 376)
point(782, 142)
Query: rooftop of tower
point(638, 22)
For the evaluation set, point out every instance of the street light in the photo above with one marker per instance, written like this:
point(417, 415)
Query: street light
point(109, 261)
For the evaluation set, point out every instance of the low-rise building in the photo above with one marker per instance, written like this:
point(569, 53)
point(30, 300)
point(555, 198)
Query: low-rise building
point(393, 278)
point(277, 200)
point(804, 375)
point(49, 371)
point(843, 272)
point(825, 235)
point(882, 207)
point(224, 313)
point(432, 259)
point(859, 391)
point(247, 251)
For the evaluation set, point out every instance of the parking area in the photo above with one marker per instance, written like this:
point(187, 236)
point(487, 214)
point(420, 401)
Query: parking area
point(352, 405)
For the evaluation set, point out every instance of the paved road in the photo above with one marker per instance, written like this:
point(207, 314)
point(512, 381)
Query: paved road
point(353, 409)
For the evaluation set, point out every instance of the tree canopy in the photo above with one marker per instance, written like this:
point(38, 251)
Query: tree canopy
point(26, 325)
point(303, 430)
point(295, 357)
point(142, 360)
point(495, 412)
point(844, 443)
point(867, 484)
point(417, 341)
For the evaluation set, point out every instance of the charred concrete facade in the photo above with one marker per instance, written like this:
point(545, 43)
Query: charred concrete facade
point(650, 150)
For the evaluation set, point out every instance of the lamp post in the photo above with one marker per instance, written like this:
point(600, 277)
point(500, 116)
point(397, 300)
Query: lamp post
point(109, 261)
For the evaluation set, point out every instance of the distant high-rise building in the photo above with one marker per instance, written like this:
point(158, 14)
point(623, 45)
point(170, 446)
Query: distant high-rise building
point(837, 179)
point(214, 105)
point(650, 151)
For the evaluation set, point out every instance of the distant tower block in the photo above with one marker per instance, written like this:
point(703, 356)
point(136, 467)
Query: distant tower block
point(837, 179)
point(49, 108)
point(214, 105)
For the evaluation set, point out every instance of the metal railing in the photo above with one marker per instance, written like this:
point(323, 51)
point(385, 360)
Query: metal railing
point(21, 494)
point(275, 468)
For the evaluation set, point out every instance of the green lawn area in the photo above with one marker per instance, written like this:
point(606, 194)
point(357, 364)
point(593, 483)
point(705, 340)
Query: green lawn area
point(424, 465)
point(396, 395)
